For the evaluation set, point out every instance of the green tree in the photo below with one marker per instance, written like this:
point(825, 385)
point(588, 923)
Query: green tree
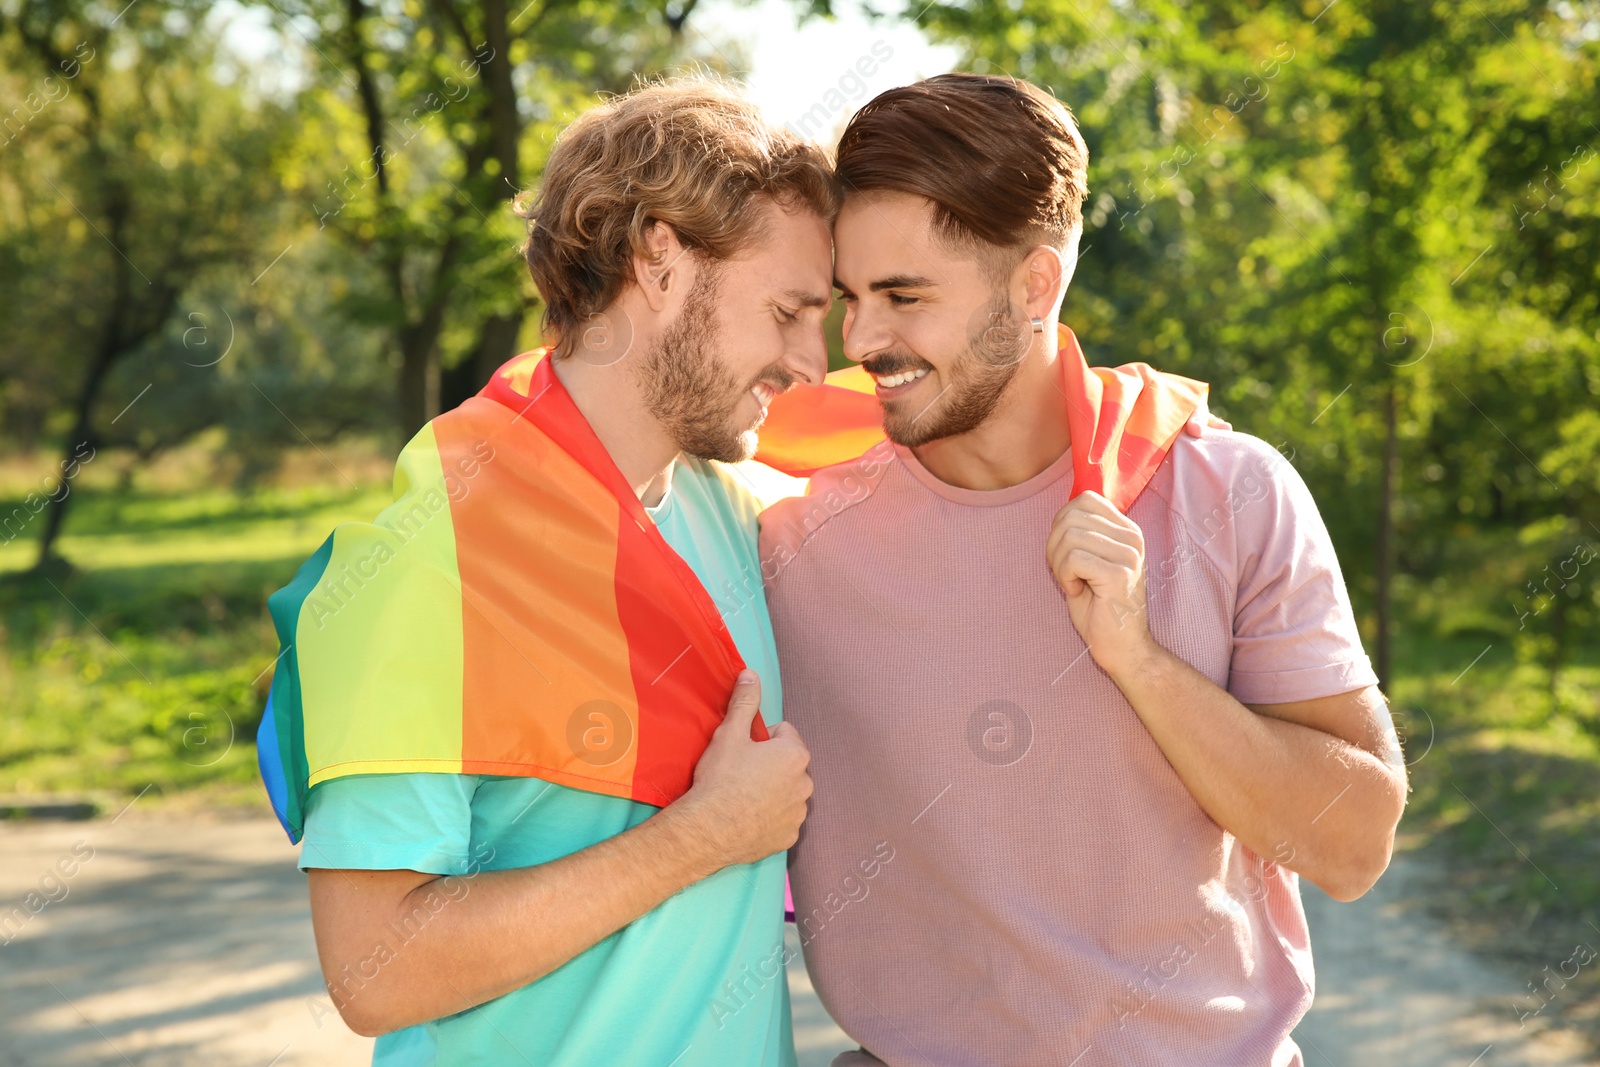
point(128, 171)
point(429, 118)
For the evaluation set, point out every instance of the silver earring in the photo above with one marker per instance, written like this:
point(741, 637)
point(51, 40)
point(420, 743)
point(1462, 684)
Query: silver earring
point(1038, 326)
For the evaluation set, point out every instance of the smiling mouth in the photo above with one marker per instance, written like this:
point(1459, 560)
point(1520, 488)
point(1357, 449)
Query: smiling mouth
point(900, 380)
point(763, 394)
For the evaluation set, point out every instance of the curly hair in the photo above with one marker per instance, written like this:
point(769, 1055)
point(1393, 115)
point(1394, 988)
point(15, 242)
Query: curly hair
point(692, 152)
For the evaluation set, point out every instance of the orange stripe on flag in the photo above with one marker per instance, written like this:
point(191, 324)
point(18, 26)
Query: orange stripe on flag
point(546, 681)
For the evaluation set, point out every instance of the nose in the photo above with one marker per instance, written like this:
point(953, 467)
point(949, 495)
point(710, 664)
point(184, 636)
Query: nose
point(807, 358)
point(863, 333)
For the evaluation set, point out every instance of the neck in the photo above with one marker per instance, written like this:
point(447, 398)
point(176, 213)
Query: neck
point(1026, 432)
point(611, 402)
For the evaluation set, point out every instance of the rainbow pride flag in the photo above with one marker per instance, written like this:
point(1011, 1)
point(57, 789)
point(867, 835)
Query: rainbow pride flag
point(515, 612)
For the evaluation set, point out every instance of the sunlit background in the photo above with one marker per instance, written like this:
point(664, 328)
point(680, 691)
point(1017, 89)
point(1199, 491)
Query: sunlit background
point(1372, 225)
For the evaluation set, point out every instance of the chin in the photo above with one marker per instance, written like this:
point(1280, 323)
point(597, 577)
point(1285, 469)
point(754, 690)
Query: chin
point(910, 433)
point(744, 447)
point(746, 442)
point(735, 447)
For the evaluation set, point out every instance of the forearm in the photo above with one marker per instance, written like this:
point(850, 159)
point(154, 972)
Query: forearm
point(1320, 805)
point(448, 944)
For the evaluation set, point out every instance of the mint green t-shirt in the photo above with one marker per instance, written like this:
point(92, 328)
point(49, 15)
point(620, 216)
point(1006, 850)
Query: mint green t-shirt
point(699, 981)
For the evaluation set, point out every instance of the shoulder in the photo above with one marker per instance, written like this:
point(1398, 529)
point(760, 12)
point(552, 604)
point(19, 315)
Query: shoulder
point(748, 488)
point(1229, 454)
point(725, 500)
point(1227, 470)
point(428, 491)
point(1236, 498)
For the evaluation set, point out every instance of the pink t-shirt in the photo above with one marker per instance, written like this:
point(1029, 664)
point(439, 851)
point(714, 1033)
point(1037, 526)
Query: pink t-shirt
point(1000, 866)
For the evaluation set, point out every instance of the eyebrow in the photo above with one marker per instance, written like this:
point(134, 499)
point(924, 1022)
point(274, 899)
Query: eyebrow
point(894, 281)
point(808, 300)
point(900, 281)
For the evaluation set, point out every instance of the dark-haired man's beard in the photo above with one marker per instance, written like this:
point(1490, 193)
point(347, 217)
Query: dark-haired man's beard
point(974, 382)
point(692, 393)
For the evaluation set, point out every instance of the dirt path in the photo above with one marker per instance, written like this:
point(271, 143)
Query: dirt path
point(184, 941)
point(1392, 989)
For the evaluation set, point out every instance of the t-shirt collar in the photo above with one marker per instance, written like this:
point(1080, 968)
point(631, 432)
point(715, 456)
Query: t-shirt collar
point(987, 498)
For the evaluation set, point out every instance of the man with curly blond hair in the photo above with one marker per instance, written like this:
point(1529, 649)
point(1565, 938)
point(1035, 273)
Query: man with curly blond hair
point(538, 831)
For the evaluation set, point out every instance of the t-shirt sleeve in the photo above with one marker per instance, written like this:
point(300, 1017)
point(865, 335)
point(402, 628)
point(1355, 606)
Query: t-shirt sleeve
point(1294, 633)
point(391, 822)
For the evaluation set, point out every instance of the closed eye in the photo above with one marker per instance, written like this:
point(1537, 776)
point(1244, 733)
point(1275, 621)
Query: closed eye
point(901, 300)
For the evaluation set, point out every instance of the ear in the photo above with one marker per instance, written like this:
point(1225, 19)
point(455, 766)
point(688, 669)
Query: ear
point(1045, 272)
point(653, 272)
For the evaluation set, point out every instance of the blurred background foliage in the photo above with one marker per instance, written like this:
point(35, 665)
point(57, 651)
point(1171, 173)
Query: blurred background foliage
point(232, 282)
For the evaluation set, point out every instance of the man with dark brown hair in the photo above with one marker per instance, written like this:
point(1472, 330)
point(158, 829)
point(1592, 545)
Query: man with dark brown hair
point(1085, 754)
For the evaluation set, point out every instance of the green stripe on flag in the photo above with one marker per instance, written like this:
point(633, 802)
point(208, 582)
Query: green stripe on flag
point(379, 638)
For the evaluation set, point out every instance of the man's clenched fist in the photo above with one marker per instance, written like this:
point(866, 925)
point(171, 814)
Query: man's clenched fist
point(1097, 554)
point(749, 797)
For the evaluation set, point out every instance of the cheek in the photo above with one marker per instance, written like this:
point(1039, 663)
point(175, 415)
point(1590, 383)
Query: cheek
point(937, 339)
point(750, 347)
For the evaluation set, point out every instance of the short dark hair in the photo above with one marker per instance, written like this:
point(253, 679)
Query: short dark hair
point(693, 152)
point(1002, 160)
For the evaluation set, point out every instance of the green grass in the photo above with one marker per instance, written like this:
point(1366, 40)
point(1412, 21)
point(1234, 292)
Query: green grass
point(1505, 759)
point(1505, 777)
point(143, 665)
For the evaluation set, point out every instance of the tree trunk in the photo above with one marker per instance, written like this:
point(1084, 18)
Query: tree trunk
point(505, 123)
point(116, 337)
point(419, 380)
point(1385, 545)
point(82, 433)
point(496, 344)
point(419, 342)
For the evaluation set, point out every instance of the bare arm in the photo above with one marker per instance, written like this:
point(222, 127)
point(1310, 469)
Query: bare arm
point(401, 947)
point(1317, 785)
